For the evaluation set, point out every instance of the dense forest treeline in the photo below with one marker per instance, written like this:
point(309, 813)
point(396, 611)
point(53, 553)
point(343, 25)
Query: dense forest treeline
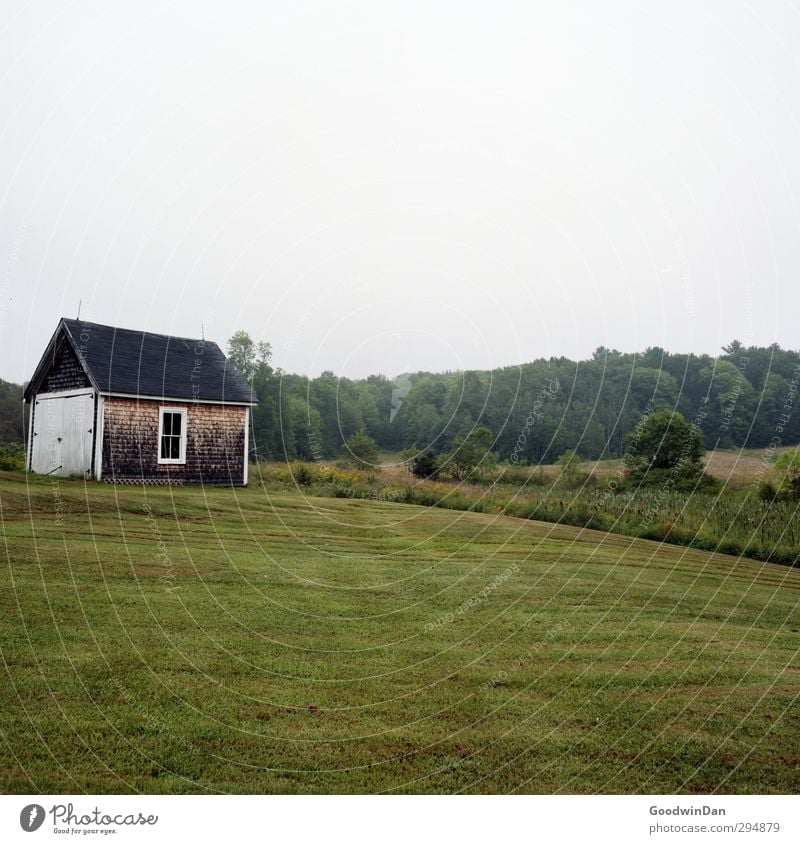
point(746, 397)
point(11, 413)
point(743, 398)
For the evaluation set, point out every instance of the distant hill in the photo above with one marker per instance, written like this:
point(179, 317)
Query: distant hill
point(744, 398)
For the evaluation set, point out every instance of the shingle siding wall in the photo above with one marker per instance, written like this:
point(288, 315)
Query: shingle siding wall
point(66, 373)
point(214, 445)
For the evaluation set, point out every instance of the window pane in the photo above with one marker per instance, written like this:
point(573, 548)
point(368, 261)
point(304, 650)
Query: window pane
point(171, 435)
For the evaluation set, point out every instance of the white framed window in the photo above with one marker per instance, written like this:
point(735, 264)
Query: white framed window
point(172, 435)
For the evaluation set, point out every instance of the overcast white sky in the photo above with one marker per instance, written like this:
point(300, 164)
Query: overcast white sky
point(391, 187)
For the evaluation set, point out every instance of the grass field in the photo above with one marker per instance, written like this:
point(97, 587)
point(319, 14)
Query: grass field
point(186, 640)
point(733, 517)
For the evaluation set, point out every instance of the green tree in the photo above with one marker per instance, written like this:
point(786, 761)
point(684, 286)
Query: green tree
point(666, 449)
point(361, 450)
point(330, 395)
point(247, 356)
point(664, 440)
point(739, 396)
point(732, 402)
point(252, 360)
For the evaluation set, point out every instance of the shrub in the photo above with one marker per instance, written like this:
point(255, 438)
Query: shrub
point(766, 491)
point(425, 465)
point(12, 457)
point(361, 451)
point(686, 477)
point(728, 546)
point(303, 475)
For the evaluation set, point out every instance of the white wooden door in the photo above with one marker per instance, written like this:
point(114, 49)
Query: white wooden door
point(48, 416)
point(62, 434)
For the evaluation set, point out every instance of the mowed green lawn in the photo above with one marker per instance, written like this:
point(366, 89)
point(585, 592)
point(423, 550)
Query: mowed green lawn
point(186, 640)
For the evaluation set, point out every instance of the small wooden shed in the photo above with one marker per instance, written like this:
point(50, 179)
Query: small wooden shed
point(128, 406)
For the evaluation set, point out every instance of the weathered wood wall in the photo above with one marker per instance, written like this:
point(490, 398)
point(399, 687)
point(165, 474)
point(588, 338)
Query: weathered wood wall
point(66, 372)
point(214, 445)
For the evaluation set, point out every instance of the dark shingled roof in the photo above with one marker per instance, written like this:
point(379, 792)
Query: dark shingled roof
point(119, 360)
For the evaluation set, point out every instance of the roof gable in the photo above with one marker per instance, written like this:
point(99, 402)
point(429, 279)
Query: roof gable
point(140, 363)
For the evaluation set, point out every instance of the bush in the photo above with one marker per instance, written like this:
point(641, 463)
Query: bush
point(303, 475)
point(361, 451)
point(12, 457)
point(425, 465)
point(687, 477)
point(766, 491)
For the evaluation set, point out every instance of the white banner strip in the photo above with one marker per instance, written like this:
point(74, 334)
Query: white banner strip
point(385, 820)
